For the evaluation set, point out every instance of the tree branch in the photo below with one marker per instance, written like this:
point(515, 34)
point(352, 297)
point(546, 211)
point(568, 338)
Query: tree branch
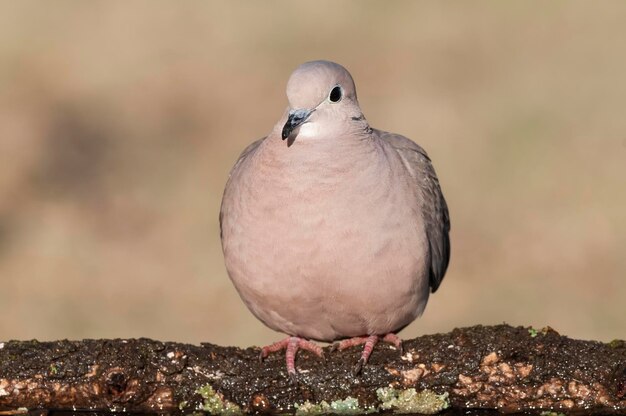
point(499, 367)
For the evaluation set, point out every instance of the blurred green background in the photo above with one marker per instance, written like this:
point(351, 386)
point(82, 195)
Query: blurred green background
point(119, 122)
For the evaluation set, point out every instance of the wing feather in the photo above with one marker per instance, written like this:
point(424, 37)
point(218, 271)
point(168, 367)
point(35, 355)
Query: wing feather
point(431, 203)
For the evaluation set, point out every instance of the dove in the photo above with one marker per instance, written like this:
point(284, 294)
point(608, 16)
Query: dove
point(331, 230)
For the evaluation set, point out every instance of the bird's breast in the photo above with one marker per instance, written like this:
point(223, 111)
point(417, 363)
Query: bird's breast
point(316, 234)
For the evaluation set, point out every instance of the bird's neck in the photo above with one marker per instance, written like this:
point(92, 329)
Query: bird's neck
point(313, 145)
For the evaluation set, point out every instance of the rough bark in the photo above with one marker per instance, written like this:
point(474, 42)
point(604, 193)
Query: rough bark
point(499, 367)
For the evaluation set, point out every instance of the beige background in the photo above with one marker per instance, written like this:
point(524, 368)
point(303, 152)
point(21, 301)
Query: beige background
point(119, 122)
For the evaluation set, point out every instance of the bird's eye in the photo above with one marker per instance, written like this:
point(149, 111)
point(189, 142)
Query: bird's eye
point(335, 94)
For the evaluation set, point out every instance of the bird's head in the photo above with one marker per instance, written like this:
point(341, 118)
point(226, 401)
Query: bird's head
point(322, 98)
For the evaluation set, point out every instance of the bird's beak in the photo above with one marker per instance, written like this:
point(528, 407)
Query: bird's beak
point(296, 118)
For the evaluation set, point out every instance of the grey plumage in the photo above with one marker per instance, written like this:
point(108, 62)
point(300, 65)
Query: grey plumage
point(341, 232)
point(432, 203)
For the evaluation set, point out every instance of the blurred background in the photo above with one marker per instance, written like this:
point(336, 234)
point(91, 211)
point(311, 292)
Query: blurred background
point(119, 123)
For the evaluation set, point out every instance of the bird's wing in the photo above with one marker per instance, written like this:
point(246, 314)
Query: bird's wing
point(246, 152)
point(431, 203)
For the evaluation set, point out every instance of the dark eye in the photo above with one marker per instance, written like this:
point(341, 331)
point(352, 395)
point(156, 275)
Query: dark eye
point(335, 94)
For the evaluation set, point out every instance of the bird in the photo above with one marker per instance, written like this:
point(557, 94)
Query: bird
point(333, 231)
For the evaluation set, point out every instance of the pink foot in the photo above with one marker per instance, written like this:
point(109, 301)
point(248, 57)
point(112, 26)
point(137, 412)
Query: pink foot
point(369, 342)
point(292, 345)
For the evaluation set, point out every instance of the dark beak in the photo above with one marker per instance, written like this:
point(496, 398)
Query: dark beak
point(295, 119)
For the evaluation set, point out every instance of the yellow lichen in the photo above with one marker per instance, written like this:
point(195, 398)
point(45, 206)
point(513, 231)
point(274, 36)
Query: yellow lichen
point(347, 406)
point(411, 401)
point(215, 403)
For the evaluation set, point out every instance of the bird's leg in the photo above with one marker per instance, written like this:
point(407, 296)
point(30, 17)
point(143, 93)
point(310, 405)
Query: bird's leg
point(370, 342)
point(291, 345)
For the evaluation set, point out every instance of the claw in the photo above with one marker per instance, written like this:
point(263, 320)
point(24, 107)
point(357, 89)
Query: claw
point(356, 370)
point(293, 377)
